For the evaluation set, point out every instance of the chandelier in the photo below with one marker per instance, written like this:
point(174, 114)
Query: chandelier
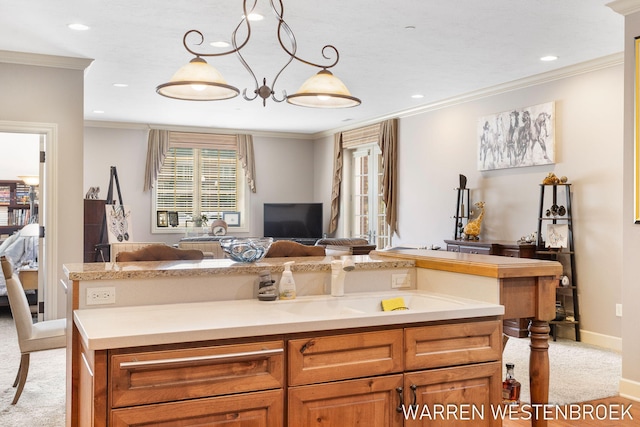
point(199, 81)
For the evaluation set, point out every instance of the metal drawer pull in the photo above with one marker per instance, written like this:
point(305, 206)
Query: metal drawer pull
point(164, 362)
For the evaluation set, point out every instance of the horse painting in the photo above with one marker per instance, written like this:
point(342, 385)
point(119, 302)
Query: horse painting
point(516, 138)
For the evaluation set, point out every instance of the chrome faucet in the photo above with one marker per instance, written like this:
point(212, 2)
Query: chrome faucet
point(338, 271)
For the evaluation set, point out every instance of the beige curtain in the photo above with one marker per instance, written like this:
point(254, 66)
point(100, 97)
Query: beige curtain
point(247, 159)
point(157, 147)
point(388, 142)
point(335, 187)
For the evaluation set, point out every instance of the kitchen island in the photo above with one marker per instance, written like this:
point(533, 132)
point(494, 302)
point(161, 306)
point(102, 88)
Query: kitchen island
point(176, 308)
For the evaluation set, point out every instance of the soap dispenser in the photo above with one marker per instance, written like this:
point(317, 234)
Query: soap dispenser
point(287, 284)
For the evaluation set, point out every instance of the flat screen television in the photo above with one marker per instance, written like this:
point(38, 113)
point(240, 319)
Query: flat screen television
point(293, 220)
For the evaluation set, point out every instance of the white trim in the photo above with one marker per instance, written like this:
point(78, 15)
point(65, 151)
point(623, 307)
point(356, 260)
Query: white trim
point(624, 7)
point(629, 389)
point(50, 131)
point(24, 58)
point(196, 129)
point(601, 340)
point(561, 73)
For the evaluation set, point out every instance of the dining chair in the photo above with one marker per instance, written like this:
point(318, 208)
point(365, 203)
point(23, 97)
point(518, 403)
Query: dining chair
point(46, 335)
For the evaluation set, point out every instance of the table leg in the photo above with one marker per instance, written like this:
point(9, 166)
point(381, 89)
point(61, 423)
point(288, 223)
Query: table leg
point(539, 370)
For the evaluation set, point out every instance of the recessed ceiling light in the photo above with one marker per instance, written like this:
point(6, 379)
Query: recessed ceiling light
point(98, 111)
point(410, 27)
point(417, 96)
point(78, 27)
point(120, 85)
point(548, 58)
point(220, 43)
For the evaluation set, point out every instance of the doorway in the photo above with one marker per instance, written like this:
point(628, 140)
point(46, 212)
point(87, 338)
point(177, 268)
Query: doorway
point(24, 148)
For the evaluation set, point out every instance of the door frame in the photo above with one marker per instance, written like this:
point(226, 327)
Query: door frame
point(48, 194)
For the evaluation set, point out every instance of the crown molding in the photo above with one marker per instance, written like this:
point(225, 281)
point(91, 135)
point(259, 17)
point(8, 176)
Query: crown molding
point(538, 79)
point(625, 7)
point(40, 60)
point(197, 129)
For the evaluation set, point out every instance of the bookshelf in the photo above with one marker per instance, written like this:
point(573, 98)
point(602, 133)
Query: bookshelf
point(14, 207)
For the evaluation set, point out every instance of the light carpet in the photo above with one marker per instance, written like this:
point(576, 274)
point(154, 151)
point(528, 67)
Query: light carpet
point(42, 402)
point(579, 372)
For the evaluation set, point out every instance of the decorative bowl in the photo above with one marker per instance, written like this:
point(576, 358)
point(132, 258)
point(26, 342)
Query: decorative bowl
point(250, 249)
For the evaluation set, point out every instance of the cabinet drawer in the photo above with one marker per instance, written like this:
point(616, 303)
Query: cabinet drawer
point(475, 250)
point(169, 375)
point(454, 344)
point(263, 408)
point(337, 357)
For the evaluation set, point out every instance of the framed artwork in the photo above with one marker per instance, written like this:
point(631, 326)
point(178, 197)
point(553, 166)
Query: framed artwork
point(557, 236)
point(173, 218)
point(231, 218)
point(119, 227)
point(636, 154)
point(517, 138)
point(162, 218)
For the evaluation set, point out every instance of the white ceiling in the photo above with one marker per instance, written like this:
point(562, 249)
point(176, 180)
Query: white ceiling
point(456, 47)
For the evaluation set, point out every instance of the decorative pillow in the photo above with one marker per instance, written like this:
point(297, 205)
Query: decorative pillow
point(7, 268)
point(286, 248)
point(159, 253)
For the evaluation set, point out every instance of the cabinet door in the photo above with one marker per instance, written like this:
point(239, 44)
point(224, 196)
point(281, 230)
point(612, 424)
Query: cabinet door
point(452, 397)
point(339, 357)
point(260, 409)
point(371, 402)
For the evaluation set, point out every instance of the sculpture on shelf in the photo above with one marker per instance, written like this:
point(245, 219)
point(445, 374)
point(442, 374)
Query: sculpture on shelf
point(551, 179)
point(472, 229)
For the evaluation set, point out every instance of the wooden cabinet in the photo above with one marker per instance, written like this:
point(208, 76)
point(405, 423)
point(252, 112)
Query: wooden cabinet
point(184, 386)
point(329, 378)
point(93, 216)
point(451, 363)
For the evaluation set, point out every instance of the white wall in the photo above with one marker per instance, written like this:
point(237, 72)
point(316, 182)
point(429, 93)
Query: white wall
point(52, 95)
point(630, 383)
point(434, 147)
point(284, 173)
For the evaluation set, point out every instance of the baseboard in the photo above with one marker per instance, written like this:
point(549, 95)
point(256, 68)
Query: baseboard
point(629, 389)
point(594, 338)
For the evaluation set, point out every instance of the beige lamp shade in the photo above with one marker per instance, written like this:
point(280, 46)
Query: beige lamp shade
point(324, 90)
point(197, 81)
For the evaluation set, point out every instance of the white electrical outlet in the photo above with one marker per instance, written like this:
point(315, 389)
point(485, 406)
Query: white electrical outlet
point(400, 281)
point(618, 310)
point(98, 296)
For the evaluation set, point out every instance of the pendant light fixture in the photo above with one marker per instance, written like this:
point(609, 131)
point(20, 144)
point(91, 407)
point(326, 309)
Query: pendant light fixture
point(199, 81)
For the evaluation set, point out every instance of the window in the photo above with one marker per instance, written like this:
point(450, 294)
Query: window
point(200, 176)
point(367, 206)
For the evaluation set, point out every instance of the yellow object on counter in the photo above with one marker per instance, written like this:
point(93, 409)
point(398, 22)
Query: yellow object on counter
point(392, 304)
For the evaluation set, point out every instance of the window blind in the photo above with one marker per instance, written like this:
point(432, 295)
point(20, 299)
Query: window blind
point(198, 175)
point(364, 135)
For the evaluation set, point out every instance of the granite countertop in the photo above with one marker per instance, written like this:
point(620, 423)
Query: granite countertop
point(207, 267)
point(122, 327)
